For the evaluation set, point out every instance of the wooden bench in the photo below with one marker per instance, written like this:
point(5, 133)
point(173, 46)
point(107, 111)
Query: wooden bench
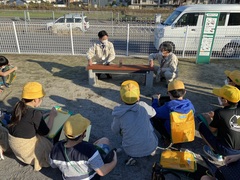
point(116, 69)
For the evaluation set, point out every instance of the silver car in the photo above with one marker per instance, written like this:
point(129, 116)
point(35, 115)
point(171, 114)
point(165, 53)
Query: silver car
point(63, 23)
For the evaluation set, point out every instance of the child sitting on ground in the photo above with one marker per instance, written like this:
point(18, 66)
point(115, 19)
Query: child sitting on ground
point(78, 159)
point(233, 79)
point(27, 129)
point(3, 72)
point(177, 103)
point(225, 123)
point(132, 122)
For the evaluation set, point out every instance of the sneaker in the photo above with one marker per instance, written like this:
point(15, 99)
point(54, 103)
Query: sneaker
point(162, 79)
point(156, 151)
point(130, 162)
point(7, 85)
point(119, 150)
point(98, 75)
point(109, 76)
point(157, 78)
point(207, 150)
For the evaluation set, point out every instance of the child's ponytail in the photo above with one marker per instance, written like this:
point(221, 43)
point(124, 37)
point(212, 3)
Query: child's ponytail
point(19, 110)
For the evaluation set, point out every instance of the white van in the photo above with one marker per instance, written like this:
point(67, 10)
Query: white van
point(184, 26)
point(63, 22)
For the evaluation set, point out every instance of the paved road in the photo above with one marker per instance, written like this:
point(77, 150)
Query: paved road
point(33, 37)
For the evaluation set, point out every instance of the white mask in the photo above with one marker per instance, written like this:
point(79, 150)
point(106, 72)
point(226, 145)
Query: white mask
point(104, 41)
point(220, 101)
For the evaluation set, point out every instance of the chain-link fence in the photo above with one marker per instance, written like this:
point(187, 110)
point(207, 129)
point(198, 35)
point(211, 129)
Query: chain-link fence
point(129, 40)
point(95, 17)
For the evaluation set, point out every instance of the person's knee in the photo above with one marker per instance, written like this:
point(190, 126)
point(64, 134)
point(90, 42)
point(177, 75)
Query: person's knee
point(169, 75)
point(103, 140)
point(206, 177)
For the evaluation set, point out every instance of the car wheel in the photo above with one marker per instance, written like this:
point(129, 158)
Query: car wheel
point(78, 29)
point(230, 49)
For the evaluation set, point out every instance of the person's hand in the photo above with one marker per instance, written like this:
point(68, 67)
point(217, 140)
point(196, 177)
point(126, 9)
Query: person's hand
point(208, 116)
point(53, 112)
point(15, 68)
point(151, 63)
point(156, 96)
point(211, 114)
point(90, 62)
point(231, 158)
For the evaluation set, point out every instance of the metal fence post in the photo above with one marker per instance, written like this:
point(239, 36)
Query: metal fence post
point(25, 20)
point(82, 24)
point(25, 15)
point(53, 16)
point(16, 37)
point(28, 16)
point(118, 17)
point(112, 23)
point(128, 28)
point(71, 36)
point(185, 41)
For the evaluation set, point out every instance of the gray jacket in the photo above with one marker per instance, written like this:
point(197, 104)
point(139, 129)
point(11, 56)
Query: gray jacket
point(133, 123)
point(171, 63)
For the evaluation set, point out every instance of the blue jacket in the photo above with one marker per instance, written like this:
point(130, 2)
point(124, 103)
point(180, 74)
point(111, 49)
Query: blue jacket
point(163, 112)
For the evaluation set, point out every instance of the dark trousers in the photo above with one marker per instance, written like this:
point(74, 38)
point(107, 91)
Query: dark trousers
point(218, 147)
point(158, 124)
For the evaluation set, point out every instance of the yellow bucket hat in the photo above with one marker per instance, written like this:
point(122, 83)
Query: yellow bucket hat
point(75, 126)
point(32, 90)
point(175, 85)
point(234, 76)
point(130, 91)
point(229, 93)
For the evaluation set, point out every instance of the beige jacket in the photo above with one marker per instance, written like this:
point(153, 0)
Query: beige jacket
point(101, 54)
point(34, 151)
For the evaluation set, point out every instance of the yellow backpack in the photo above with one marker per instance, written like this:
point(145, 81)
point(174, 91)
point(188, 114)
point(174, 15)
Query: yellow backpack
point(182, 127)
point(178, 160)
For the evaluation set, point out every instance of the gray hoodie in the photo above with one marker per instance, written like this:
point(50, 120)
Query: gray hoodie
point(133, 123)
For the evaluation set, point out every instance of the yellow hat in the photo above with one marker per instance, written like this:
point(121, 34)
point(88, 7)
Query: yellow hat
point(32, 90)
point(229, 93)
point(130, 91)
point(75, 126)
point(175, 85)
point(234, 76)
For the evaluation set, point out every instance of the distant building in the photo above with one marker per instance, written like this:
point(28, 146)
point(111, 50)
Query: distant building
point(143, 3)
point(100, 3)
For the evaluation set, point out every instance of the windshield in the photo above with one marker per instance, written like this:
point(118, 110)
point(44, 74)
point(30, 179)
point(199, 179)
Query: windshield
point(172, 18)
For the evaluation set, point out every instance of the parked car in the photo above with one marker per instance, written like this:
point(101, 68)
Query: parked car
point(63, 23)
point(186, 22)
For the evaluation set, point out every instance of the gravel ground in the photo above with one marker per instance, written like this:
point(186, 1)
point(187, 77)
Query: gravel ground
point(66, 83)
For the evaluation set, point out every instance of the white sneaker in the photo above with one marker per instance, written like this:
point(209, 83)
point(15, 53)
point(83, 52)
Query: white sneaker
point(156, 151)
